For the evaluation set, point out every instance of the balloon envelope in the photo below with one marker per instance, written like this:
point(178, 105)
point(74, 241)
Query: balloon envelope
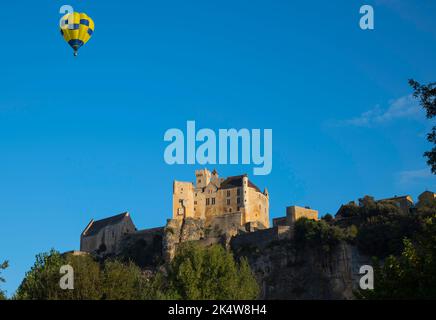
point(76, 28)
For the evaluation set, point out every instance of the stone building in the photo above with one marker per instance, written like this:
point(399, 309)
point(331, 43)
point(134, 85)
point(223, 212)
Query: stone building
point(212, 197)
point(104, 237)
point(426, 198)
point(404, 203)
point(293, 213)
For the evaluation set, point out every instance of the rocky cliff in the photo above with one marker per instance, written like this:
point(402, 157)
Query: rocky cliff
point(284, 268)
point(287, 271)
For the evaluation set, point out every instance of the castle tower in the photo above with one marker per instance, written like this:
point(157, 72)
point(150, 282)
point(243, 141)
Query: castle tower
point(202, 178)
point(183, 200)
point(215, 178)
point(244, 197)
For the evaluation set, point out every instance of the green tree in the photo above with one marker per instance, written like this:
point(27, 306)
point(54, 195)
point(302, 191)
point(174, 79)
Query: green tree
point(427, 98)
point(412, 274)
point(42, 281)
point(198, 273)
point(383, 226)
point(122, 281)
point(87, 278)
point(318, 233)
point(113, 280)
point(328, 218)
point(3, 266)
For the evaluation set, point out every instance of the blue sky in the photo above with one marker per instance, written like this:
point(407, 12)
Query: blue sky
point(82, 138)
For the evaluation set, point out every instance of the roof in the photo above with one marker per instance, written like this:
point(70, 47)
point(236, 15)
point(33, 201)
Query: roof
point(95, 226)
point(235, 182)
point(407, 197)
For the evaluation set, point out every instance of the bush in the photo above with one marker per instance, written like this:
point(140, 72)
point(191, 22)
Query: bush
point(198, 273)
point(195, 273)
point(318, 233)
point(114, 280)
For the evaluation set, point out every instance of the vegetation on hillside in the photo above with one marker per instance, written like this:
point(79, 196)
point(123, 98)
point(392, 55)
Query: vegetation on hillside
point(195, 273)
point(206, 273)
point(403, 245)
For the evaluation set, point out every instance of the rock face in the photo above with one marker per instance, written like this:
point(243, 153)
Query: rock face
point(178, 231)
point(143, 248)
point(286, 271)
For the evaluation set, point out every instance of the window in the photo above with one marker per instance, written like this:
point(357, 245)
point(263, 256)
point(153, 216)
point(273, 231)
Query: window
point(228, 202)
point(239, 200)
point(195, 203)
point(238, 192)
point(228, 193)
point(213, 200)
point(207, 201)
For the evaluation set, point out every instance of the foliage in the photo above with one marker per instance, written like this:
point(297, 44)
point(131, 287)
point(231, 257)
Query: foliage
point(3, 266)
point(122, 281)
point(195, 273)
point(379, 226)
point(42, 281)
point(412, 274)
point(198, 273)
point(427, 97)
point(114, 280)
point(328, 217)
point(318, 233)
point(383, 228)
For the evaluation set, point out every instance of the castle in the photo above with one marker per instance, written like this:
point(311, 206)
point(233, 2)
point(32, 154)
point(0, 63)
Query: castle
point(234, 212)
point(211, 210)
point(213, 197)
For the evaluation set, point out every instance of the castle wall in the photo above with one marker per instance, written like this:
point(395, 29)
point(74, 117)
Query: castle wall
point(230, 223)
point(294, 213)
point(258, 207)
point(207, 201)
point(260, 238)
point(282, 221)
point(183, 200)
point(108, 239)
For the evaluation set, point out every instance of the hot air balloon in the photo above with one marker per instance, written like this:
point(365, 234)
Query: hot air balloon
point(76, 28)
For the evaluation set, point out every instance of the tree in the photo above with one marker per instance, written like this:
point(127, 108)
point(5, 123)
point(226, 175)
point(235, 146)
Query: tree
point(198, 273)
point(3, 266)
point(122, 281)
point(427, 99)
point(328, 218)
point(41, 282)
point(410, 275)
point(113, 280)
point(318, 233)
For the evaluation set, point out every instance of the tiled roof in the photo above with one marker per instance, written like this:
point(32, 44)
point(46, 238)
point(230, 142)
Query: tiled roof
point(236, 181)
point(95, 226)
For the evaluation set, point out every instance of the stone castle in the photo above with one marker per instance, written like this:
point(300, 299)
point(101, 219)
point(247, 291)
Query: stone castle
point(212, 197)
point(211, 210)
point(234, 212)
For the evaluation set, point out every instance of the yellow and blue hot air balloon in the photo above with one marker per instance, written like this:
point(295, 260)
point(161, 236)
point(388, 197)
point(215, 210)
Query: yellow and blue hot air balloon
point(76, 28)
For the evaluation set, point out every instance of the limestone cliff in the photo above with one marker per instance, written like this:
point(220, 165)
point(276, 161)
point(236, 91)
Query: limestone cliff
point(286, 271)
point(284, 268)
